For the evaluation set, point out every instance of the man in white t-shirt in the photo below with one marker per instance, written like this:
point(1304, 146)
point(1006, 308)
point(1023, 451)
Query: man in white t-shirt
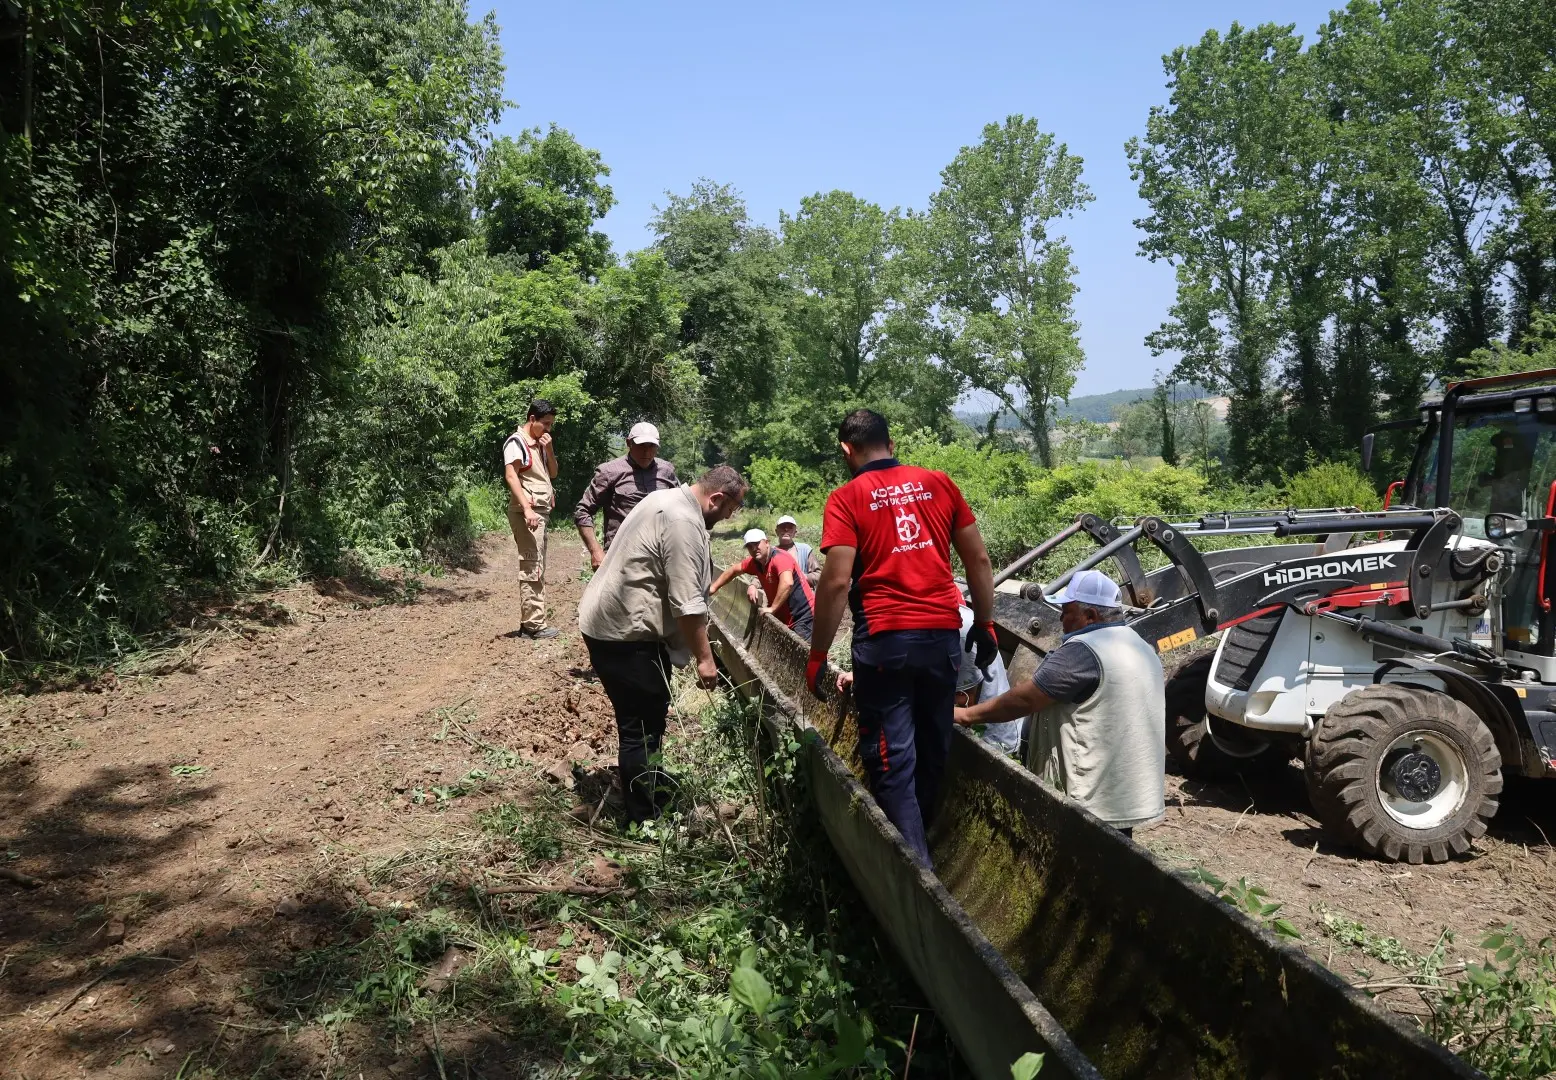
point(528, 468)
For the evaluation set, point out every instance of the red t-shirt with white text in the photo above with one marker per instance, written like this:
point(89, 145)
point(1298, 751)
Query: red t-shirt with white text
point(898, 519)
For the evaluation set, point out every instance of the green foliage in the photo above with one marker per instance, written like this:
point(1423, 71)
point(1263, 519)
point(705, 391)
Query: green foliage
point(1389, 950)
point(1341, 216)
point(1501, 1017)
point(729, 952)
point(1026, 1067)
point(1334, 483)
point(784, 486)
point(1249, 898)
point(539, 198)
point(985, 475)
point(999, 282)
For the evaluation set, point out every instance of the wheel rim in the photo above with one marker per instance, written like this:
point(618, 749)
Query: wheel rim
point(1451, 788)
point(1242, 745)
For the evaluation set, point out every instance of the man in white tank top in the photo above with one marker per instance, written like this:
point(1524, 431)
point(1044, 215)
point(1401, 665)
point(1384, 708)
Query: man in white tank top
point(1099, 706)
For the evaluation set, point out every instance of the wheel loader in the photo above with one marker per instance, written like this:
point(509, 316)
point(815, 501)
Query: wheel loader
point(1407, 656)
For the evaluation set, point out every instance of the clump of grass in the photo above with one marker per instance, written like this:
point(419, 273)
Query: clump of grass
point(718, 950)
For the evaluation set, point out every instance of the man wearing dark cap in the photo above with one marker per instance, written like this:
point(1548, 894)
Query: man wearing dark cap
point(619, 485)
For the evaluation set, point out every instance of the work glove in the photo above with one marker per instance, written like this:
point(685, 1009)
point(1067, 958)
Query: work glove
point(818, 673)
point(981, 638)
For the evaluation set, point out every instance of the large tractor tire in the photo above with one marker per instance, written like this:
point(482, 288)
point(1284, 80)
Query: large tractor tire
point(1219, 752)
point(1405, 773)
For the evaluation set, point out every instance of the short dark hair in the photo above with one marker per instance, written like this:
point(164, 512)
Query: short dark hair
point(723, 478)
point(539, 407)
point(864, 429)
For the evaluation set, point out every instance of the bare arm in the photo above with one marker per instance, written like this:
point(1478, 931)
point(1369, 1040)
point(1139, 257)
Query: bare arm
point(831, 596)
point(968, 542)
point(548, 454)
point(1024, 700)
point(785, 587)
point(694, 631)
point(583, 515)
point(724, 579)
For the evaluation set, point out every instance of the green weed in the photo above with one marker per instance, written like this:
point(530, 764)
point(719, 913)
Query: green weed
point(1501, 1016)
point(1248, 898)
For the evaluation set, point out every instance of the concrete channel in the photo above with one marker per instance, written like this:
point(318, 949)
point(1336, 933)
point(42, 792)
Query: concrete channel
point(1044, 930)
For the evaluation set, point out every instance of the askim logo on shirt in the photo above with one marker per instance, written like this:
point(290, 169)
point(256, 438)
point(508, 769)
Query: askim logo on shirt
point(1334, 568)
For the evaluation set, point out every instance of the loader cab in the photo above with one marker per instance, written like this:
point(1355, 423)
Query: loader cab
point(1491, 449)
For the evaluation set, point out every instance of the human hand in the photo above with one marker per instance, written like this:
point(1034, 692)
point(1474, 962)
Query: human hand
point(544, 442)
point(753, 594)
point(596, 558)
point(531, 519)
point(845, 681)
point(816, 671)
point(982, 638)
point(708, 673)
point(961, 717)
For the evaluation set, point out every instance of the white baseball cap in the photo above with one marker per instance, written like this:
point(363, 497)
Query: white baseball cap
point(643, 433)
point(1092, 588)
point(754, 536)
point(787, 520)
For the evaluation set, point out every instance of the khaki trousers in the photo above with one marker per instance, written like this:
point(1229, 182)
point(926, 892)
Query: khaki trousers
point(532, 568)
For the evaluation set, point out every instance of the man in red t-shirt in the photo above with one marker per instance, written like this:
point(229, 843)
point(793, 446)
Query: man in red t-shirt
point(789, 596)
point(888, 535)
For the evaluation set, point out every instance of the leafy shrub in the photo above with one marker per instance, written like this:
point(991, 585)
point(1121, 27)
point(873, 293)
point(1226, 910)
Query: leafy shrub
point(784, 486)
point(984, 475)
point(1334, 483)
point(1501, 1017)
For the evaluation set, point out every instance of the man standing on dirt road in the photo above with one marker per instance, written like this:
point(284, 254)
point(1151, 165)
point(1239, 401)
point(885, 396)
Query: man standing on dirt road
point(789, 596)
point(646, 609)
point(529, 467)
point(887, 535)
point(619, 485)
point(1098, 700)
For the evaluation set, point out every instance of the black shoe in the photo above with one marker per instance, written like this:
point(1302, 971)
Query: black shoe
point(542, 634)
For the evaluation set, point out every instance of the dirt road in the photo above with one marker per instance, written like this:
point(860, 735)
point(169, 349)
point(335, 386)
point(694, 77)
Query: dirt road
point(188, 833)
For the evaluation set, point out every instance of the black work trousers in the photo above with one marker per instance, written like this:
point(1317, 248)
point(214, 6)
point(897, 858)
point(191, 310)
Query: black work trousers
point(636, 678)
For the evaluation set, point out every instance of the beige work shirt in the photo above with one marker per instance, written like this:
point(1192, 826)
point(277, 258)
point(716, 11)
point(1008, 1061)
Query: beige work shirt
point(656, 571)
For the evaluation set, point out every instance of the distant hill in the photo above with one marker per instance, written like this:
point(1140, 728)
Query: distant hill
point(1097, 408)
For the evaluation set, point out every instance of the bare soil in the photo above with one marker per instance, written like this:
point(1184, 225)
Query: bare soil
point(1262, 831)
point(170, 842)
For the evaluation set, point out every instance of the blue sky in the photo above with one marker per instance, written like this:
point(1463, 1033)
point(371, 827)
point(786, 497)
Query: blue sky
point(785, 100)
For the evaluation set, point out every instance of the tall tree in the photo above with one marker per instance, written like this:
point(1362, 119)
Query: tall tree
point(540, 197)
point(1003, 280)
point(837, 249)
point(1210, 167)
point(728, 272)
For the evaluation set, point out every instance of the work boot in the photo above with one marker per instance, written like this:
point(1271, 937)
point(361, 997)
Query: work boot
point(543, 633)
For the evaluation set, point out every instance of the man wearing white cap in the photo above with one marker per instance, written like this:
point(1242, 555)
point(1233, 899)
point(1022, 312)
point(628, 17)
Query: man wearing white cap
point(1099, 702)
point(619, 485)
point(789, 596)
point(788, 529)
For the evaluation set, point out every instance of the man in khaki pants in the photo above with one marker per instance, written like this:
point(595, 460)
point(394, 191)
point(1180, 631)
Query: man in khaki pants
point(528, 466)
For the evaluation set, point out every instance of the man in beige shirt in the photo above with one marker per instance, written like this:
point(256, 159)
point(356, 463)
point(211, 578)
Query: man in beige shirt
point(645, 609)
point(528, 468)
